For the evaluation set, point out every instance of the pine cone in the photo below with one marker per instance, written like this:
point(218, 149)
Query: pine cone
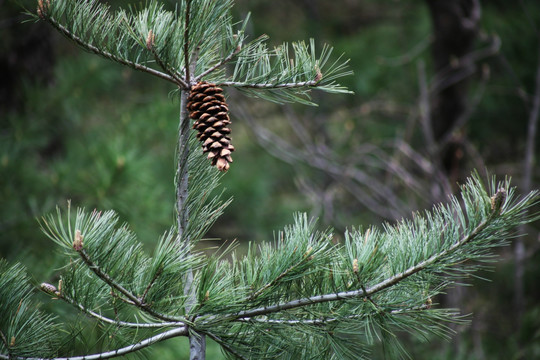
point(208, 108)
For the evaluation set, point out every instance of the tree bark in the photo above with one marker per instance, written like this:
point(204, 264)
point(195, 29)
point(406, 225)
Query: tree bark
point(455, 28)
point(197, 342)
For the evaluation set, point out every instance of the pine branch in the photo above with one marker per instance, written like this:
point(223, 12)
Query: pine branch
point(281, 276)
point(328, 320)
point(221, 63)
point(112, 283)
point(167, 68)
point(182, 331)
point(95, 50)
point(270, 86)
point(226, 346)
point(24, 329)
point(499, 199)
point(51, 290)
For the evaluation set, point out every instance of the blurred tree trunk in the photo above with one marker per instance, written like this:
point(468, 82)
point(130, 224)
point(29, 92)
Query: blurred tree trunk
point(455, 28)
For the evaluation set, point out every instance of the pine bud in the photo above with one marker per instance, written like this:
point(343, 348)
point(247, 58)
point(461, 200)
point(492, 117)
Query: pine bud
point(78, 242)
point(498, 200)
point(43, 8)
point(150, 40)
point(12, 342)
point(318, 76)
point(355, 266)
point(429, 302)
point(48, 288)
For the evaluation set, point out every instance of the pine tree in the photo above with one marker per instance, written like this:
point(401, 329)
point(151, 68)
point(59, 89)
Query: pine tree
point(302, 296)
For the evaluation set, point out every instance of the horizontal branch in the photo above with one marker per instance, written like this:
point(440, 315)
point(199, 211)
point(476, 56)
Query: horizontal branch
point(344, 295)
point(95, 50)
point(325, 321)
point(311, 83)
point(181, 331)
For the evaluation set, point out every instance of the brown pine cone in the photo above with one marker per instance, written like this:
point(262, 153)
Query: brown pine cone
point(208, 108)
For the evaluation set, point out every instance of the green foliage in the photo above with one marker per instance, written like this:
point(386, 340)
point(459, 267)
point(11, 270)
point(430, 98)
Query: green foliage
point(292, 298)
point(302, 296)
point(139, 39)
point(24, 329)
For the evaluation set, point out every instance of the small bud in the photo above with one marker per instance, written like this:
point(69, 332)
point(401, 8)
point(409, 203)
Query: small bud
point(498, 200)
point(78, 242)
point(59, 287)
point(207, 295)
point(12, 342)
point(150, 40)
point(239, 45)
point(368, 232)
point(48, 288)
point(429, 302)
point(355, 266)
point(43, 8)
point(19, 307)
point(318, 76)
point(308, 251)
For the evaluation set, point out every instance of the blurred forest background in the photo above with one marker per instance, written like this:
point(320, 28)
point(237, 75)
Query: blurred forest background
point(440, 88)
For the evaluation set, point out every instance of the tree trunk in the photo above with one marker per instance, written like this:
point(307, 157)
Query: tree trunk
point(455, 28)
point(197, 342)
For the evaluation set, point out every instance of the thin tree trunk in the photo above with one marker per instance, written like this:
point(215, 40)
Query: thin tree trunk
point(455, 26)
point(528, 165)
point(197, 342)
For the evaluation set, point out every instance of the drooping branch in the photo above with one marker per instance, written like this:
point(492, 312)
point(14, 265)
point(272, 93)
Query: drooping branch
point(130, 297)
point(50, 289)
point(181, 331)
